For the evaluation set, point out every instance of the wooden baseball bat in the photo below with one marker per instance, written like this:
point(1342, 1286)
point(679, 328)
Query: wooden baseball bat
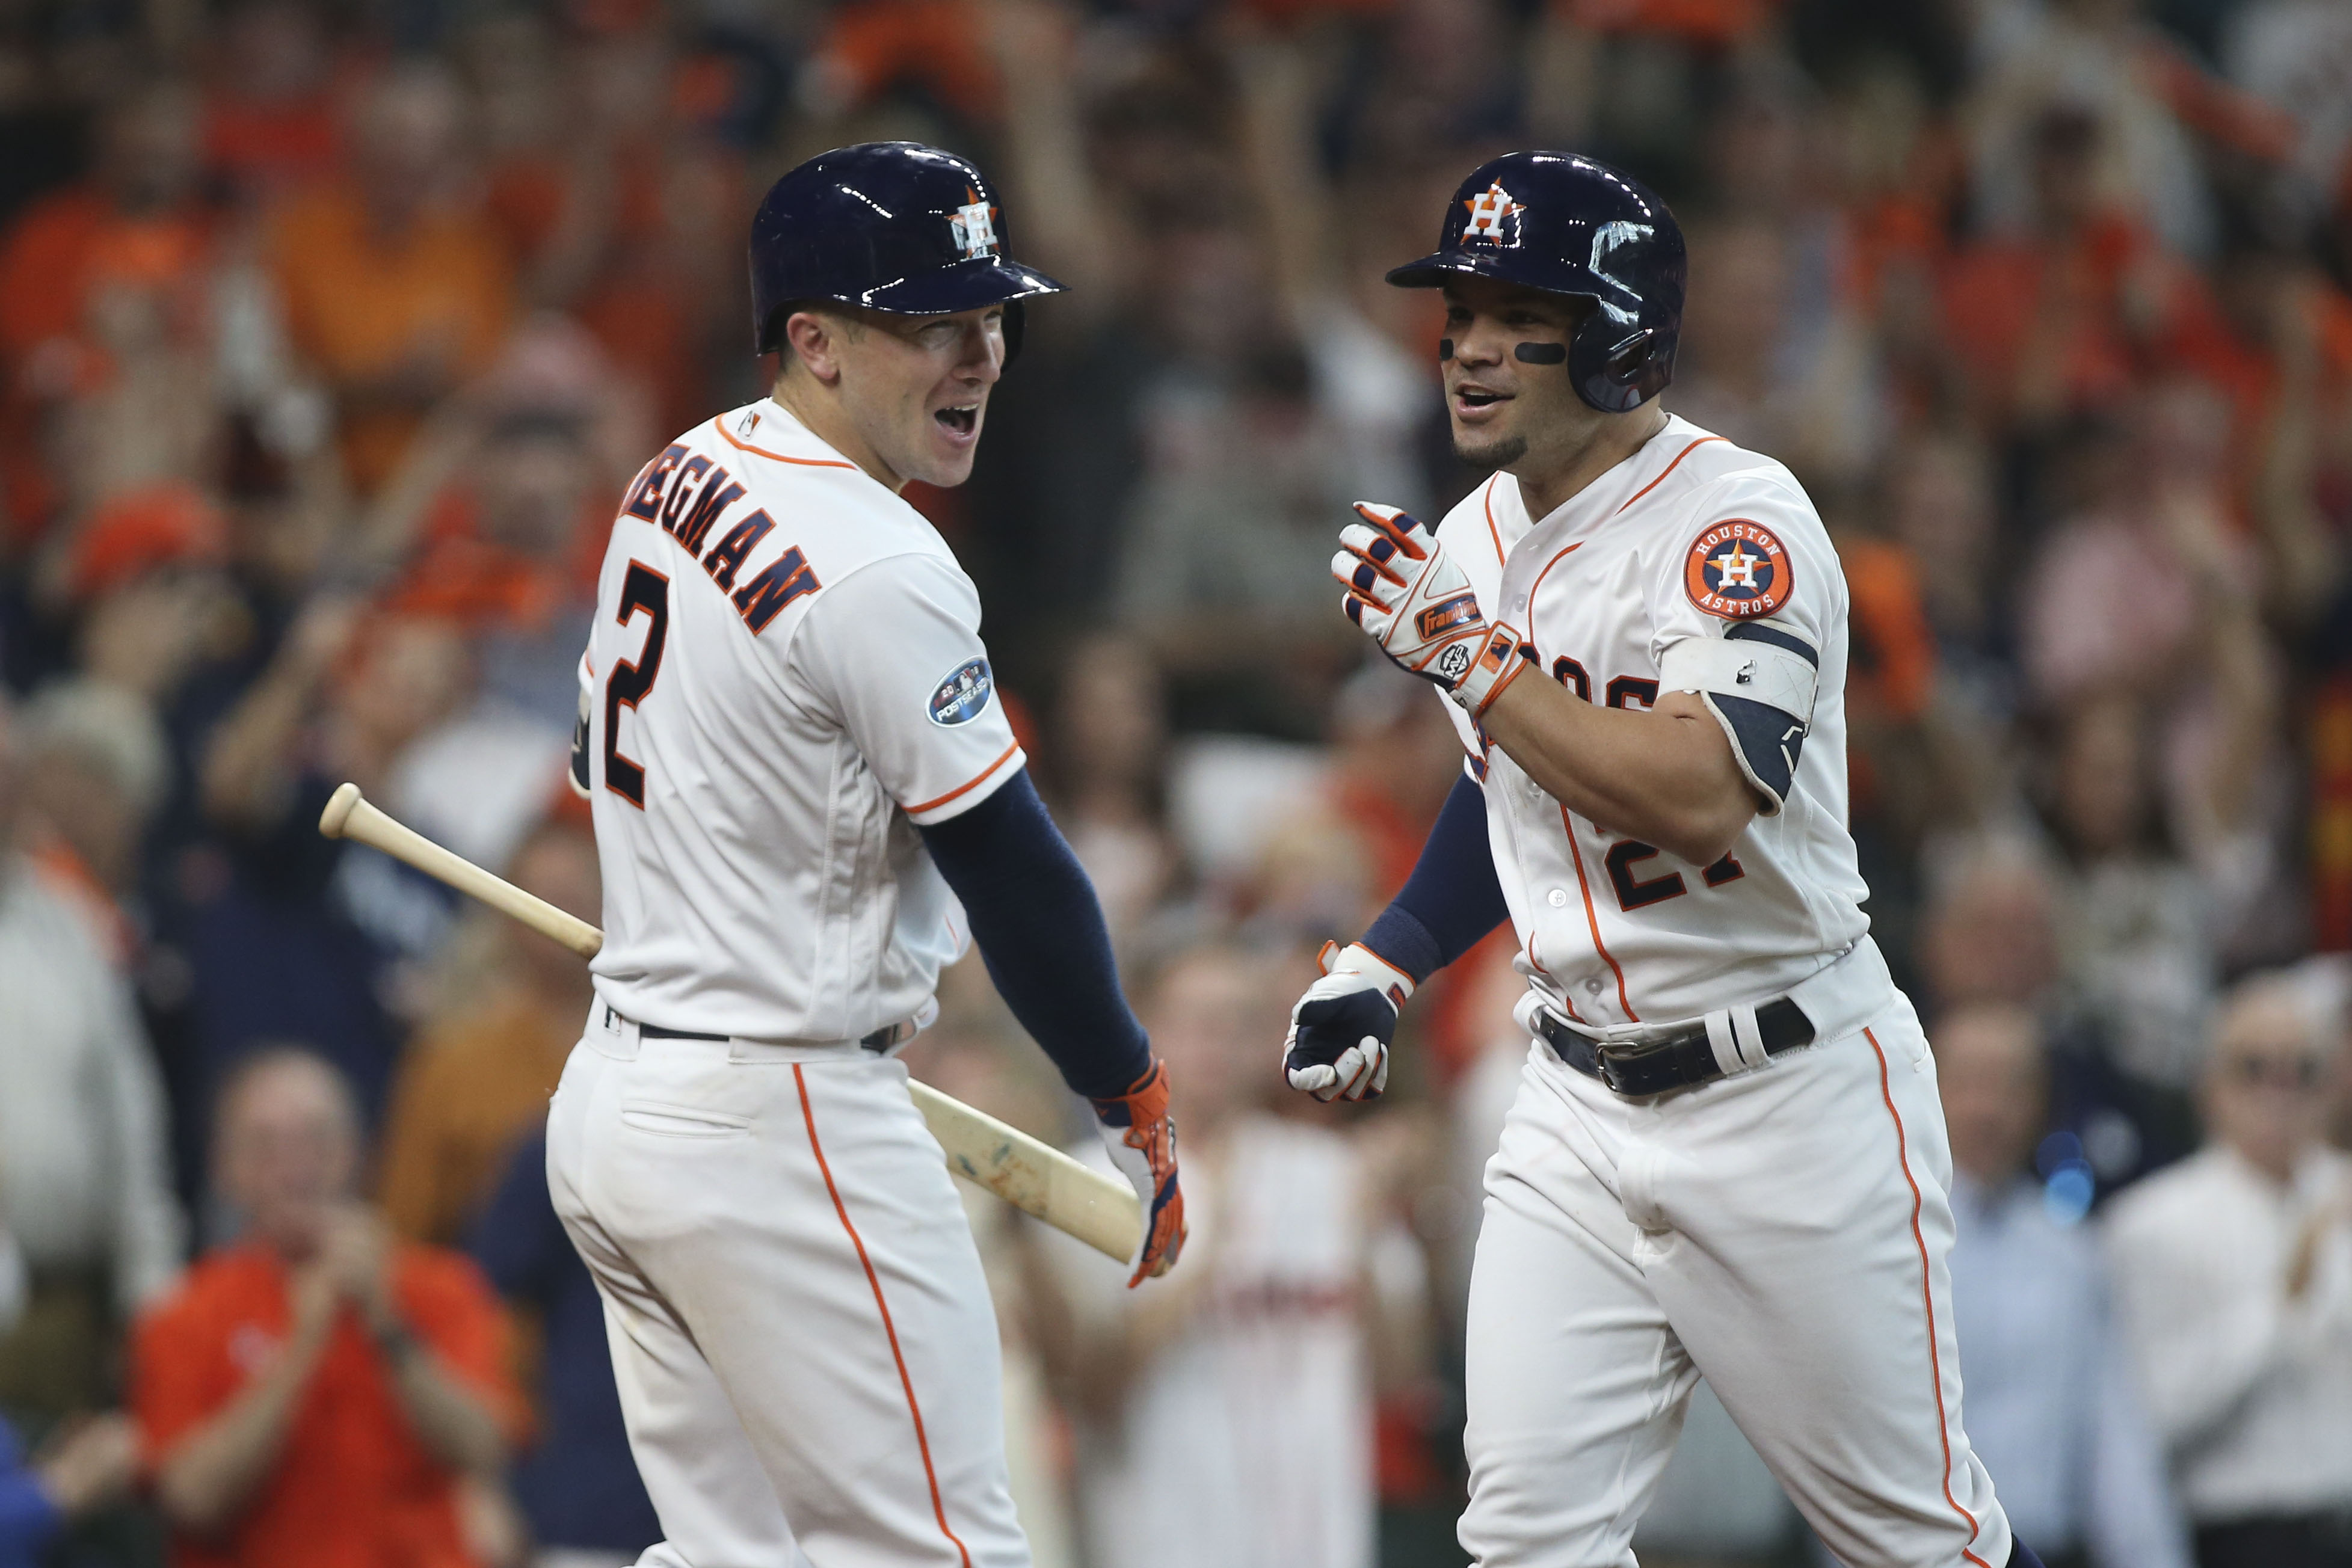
point(1032, 1176)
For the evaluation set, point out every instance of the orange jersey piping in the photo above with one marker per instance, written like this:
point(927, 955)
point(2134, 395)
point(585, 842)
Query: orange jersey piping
point(1927, 1297)
point(1669, 468)
point(726, 435)
point(968, 785)
point(922, 1443)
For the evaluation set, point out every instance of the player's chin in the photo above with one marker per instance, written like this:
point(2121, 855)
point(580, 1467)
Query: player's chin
point(1488, 448)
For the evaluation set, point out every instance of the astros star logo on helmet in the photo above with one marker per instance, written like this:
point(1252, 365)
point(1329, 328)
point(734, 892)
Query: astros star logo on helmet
point(1494, 217)
point(1737, 569)
point(974, 226)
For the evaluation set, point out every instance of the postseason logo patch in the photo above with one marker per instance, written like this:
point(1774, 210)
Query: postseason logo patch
point(1737, 569)
point(963, 694)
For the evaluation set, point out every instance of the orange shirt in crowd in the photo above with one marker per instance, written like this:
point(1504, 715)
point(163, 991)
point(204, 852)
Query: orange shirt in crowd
point(267, 148)
point(637, 305)
point(1891, 671)
point(353, 1487)
point(466, 1092)
point(1702, 24)
point(457, 575)
point(1999, 294)
point(871, 44)
point(361, 305)
point(52, 255)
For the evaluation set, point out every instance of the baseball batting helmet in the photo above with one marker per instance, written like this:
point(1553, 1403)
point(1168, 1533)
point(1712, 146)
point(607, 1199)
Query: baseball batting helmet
point(890, 226)
point(1566, 225)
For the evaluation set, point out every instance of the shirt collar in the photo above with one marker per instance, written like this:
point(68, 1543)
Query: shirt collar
point(1602, 499)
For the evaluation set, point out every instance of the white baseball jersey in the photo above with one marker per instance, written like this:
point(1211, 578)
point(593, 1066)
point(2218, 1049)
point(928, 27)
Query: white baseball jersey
point(785, 678)
point(1781, 1231)
point(1689, 538)
point(1245, 1441)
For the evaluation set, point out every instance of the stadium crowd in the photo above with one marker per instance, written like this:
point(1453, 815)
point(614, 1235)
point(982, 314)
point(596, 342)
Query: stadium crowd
point(330, 331)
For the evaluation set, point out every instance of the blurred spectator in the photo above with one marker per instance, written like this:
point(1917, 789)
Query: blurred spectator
point(469, 1086)
point(2048, 315)
point(91, 1466)
point(96, 767)
point(92, 1462)
point(2296, 56)
point(1993, 937)
point(84, 1189)
point(576, 1483)
point(272, 125)
point(1226, 1414)
point(2095, 59)
point(305, 938)
point(1329, 865)
point(2233, 1276)
point(1108, 753)
point(2141, 634)
point(2053, 1409)
point(627, 218)
point(394, 288)
point(1940, 506)
point(142, 577)
point(497, 516)
point(316, 1393)
point(135, 222)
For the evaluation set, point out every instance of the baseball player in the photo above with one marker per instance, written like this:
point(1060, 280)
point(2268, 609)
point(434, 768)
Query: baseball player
point(807, 800)
point(1726, 1157)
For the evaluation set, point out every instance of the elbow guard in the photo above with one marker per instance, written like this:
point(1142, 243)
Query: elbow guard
point(1758, 682)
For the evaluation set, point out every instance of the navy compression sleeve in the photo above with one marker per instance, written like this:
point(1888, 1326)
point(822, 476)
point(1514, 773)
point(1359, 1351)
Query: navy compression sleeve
point(1452, 899)
point(1040, 930)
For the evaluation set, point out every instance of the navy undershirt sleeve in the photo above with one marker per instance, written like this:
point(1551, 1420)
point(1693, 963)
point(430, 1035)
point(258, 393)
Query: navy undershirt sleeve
point(1040, 930)
point(1452, 899)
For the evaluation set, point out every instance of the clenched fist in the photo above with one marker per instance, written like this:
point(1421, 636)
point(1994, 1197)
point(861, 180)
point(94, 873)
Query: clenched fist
point(1416, 603)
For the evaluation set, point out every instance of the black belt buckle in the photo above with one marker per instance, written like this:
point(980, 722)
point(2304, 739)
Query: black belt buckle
point(1648, 1068)
point(1677, 1060)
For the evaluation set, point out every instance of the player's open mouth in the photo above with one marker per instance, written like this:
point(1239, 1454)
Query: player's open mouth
point(959, 422)
point(1470, 401)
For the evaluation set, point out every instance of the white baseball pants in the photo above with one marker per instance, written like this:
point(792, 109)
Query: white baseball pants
point(1784, 1233)
point(806, 1353)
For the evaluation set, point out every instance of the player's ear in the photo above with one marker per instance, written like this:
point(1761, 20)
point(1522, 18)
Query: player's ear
point(814, 338)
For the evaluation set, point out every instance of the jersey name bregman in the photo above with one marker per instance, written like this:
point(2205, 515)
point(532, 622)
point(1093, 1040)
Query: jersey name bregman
point(686, 497)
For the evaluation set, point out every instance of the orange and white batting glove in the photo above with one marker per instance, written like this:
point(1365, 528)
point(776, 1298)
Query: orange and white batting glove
point(1338, 1045)
point(1416, 603)
point(1141, 1137)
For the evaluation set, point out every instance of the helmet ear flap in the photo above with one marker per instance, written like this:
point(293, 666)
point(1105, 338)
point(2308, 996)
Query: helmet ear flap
point(1016, 328)
point(1620, 376)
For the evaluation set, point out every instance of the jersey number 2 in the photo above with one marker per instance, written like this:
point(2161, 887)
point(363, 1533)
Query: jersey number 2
point(647, 589)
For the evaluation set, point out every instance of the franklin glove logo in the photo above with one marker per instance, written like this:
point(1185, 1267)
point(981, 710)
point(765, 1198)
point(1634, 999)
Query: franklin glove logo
point(1439, 619)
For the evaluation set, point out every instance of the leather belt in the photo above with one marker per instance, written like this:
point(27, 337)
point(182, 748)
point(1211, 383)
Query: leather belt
point(882, 1038)
point(1675, 1061)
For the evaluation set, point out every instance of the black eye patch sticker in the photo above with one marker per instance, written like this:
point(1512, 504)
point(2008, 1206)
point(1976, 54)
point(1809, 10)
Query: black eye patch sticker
point(1541, 353)
point(1444, 349)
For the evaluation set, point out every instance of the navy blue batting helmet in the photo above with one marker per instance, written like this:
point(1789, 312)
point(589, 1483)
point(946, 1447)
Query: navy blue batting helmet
point(890, 226)
point(1566, 225)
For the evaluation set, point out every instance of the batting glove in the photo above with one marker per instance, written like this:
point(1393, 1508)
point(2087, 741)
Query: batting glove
point(1405, 591)
point(1141, 1137)
point(1338, 1046)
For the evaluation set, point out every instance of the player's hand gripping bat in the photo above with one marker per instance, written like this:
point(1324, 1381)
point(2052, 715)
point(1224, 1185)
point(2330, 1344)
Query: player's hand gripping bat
point(1101, 1211)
